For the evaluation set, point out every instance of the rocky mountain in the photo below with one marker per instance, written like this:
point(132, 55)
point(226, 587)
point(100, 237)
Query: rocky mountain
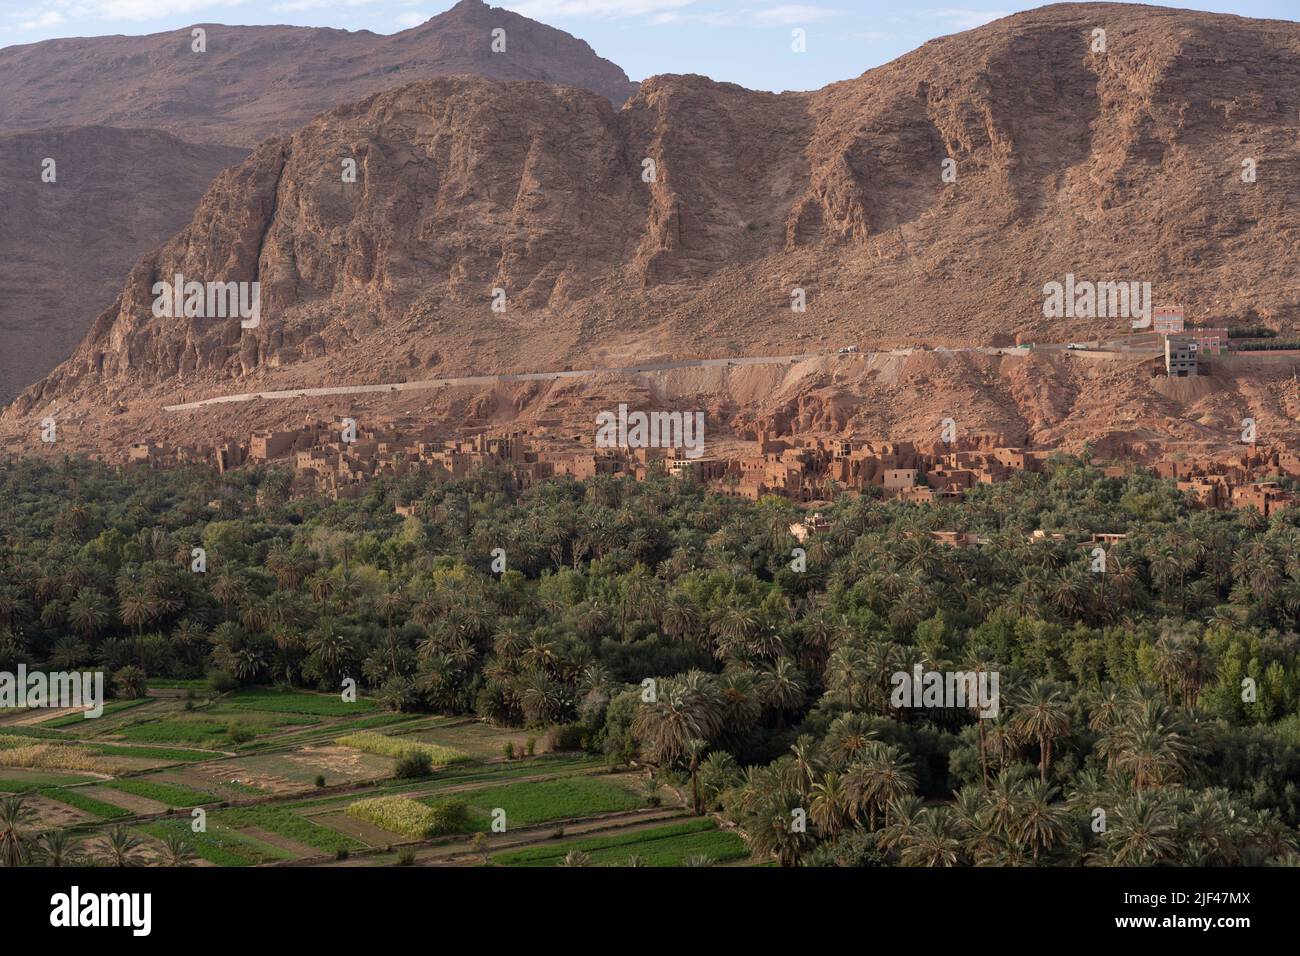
point(254, 82)
point(65, 244)
point(1122, 164)
point(122, 197)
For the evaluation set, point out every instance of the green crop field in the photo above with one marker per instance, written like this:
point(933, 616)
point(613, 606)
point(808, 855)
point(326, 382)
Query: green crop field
point(539, 801)
point(150, 753)
point(289, 825)
point(98, 808)
point(194, 684)
point(659, 846)
point(169, 794)
point(38, 781)
point(193, 730)
point(112, 707)
point(218, 845)
point(297, 702)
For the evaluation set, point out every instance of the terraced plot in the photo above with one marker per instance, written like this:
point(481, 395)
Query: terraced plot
point(169, 795)
point(220, 845)
point(670, 845)
point(90, 807)
point(532, 802)
point(17, 780)
point(475, 738)
point(297, 770)
point(266, 701)
point(310, 837)
point(81, 721)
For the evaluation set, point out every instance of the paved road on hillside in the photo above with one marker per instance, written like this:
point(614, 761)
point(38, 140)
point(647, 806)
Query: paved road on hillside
point(386, 387)
point(503, 379)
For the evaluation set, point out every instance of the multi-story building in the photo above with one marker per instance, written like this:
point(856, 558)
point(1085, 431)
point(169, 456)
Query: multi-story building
point(1180, 356)
point(1168, 319)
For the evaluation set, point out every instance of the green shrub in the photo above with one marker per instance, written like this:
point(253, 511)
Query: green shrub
point(416, 763)
point(222, 681)
point(567, 737)
point(449, 816)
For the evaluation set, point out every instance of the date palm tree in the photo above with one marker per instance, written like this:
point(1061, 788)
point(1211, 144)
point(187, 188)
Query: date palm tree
point(681, 618)
point(829, 806)
point(177, 851)
point(846, 739)
point(783, 688)
point(230, 590)
point(683, 709)
point(881, 777)
point(806, 764)
point(935, 840)
point(1040, 717)
point(1042, 824)
point(88, 613)
point(695, 748)
point(775, 824)
point(904, 817)
point(15, 837)
point(58, 848)
point(120, 847)
point(1150, 743)
point(1141, 832)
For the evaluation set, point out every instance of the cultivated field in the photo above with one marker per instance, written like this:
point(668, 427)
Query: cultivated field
point(298, 778)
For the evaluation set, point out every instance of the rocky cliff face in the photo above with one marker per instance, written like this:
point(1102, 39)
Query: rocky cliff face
point(64, 248)
point(1117, 165)
point(65, 245)
point(254, 82)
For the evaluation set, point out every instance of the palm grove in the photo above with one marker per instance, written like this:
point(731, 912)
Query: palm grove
point(1149, 714)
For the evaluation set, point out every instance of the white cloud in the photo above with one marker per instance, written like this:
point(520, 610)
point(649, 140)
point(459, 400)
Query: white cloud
point(705, 19)
point(794, 13)
point(790, 13)
point(300, 6)
point(153, 9)
point(411, 19)
point(966, 19)
point(50, 18)
point(41, 15)
point(542, 9)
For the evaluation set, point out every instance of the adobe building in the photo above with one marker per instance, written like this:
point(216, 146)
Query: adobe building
point(1267, 497)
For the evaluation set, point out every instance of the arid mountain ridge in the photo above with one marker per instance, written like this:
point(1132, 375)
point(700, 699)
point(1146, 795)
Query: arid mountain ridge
point(1117, 165)
point(65, 247)
point(255, 82)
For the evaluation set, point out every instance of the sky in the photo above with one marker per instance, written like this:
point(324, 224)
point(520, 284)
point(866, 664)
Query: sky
point(737, 41)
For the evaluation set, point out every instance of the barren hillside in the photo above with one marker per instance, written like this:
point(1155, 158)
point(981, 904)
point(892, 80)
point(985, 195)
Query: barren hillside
point(1121, 165)
point(65, 245)
point(254, 82)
